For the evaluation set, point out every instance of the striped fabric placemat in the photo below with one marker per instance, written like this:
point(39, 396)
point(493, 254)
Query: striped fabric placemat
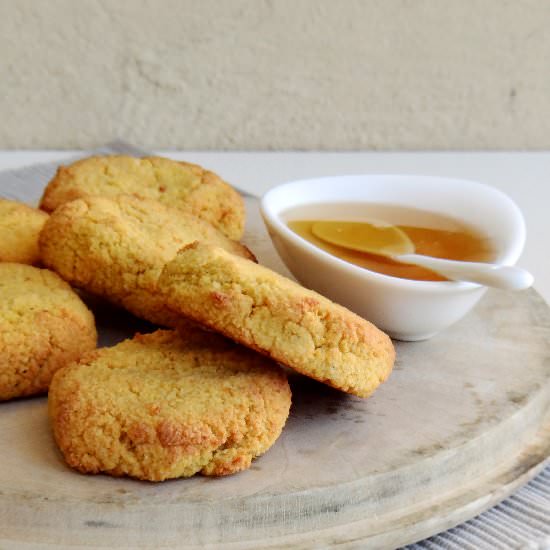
point(521, 521)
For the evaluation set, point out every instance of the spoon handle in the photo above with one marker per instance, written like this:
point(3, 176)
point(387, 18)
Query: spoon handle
point(506, 277)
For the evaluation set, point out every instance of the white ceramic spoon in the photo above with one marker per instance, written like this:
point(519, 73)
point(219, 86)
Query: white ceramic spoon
point(390, 241)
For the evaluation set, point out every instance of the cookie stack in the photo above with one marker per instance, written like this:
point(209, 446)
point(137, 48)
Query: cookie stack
point(160, 239)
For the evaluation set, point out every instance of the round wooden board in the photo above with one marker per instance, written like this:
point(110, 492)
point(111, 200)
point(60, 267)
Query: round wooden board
point(462, 421)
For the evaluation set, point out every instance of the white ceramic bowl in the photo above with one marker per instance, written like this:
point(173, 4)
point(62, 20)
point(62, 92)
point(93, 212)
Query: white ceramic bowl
point(405, 309)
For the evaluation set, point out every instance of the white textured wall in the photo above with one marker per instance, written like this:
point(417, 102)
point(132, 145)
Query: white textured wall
point(276, 74)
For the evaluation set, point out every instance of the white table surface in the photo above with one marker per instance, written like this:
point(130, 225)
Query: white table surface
point(525, 177)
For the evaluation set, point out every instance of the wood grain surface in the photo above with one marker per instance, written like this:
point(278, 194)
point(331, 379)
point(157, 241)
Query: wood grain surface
point(462, 421)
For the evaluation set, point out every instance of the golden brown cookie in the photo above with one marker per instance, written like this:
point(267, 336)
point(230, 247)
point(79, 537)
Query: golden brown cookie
point(116, 248)
point(43, 326)
point(20, 226)
point(276, 316)
point(177, 184)
point(163, 406)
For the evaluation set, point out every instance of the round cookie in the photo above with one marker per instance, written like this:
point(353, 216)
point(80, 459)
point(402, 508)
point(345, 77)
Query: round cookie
point(43, 326)
point(177, 184)
point(116, 248)
point(164, 405)
point(20, 226)
point(272, 314)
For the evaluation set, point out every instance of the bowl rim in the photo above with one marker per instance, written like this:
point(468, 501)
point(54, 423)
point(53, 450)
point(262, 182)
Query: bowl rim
point(272, 218)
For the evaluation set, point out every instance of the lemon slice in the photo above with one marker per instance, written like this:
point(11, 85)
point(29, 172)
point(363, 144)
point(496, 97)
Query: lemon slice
point(373, 238)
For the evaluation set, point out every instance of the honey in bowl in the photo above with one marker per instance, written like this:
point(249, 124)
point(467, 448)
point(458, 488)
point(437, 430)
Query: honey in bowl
point(432, 234)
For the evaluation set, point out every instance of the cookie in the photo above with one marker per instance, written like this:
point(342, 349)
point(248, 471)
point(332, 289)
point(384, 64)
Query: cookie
point(20, 226)
point(177, 184)
point(116, 248)
point(276, 316)
point(43, 326)
point(164, 405)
